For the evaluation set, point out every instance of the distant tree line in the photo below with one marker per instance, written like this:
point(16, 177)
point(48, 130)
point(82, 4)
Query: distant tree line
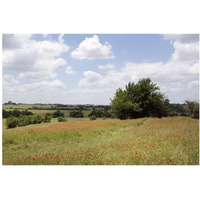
point(15, 113)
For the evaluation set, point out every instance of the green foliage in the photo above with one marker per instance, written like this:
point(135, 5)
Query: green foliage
point(12, 122)
point(93, 117)
point(15, 113)
point(36, 119)
point(62, 119)
point(176, 110)
point(47, 118)
point(97, 113)
point(76, 114)
point(23, 120)
point(192, 109)
point(139, 100)
point(58, 113)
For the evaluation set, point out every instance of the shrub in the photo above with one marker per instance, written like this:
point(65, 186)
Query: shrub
point(11, 122)
point(23, 120)
point(58, 113)
point(36, 119)
point(93, 117)
point(62, 119)
point(76, 114)
point(47, 118)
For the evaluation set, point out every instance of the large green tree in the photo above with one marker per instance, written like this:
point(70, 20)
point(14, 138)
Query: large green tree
point(139, 100)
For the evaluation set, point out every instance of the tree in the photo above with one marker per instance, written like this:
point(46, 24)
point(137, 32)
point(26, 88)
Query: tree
point(192, 109)
point(58, 113)
point(76, 114)
point(11, 122)
point(139, 100)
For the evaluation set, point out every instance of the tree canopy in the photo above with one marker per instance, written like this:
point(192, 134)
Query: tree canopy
point(139, 100)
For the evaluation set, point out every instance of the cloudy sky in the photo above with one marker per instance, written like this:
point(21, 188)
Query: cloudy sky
point(88, 68)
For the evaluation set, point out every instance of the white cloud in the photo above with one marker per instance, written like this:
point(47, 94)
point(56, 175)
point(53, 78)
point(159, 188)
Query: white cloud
point(69, 70)
point(13, 41)
point(10, 80)
point(42, 91)
point(178, 78)
point(183, 38)
point(107, 66)
point(186, 52)
point(91, 79)
point(92, 49)
point(60, 38)
point(34, 60)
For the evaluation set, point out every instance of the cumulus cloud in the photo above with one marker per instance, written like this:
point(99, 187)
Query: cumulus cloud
point(42, 86)
point(92, 49)
point(10, 80)
point(107, 66)
point(41, 91)
point(69, 70)
point(178, 78)
point(34, 60)
point(91, 79)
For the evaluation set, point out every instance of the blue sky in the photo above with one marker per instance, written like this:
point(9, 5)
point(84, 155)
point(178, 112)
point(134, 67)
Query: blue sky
point(88, 68)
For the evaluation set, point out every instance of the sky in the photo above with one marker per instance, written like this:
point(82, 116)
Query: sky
point(89, 68)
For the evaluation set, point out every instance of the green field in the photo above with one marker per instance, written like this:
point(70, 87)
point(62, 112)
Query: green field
point(145, 141)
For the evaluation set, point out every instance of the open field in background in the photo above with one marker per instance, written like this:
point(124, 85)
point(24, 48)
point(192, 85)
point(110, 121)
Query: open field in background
point(146, 141)
point(43, 112)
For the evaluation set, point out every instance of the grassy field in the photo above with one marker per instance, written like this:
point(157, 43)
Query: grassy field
point(43, 112)
point(146, 141)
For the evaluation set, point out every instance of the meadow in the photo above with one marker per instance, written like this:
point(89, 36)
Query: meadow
point(144, 141)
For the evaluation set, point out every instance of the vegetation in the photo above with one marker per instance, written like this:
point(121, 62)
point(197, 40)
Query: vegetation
point(100, 113)
point(192, 109)
point(58, 113)
point(146, 141)
point(93, 117)
point(15, 113)
point(76, 114)
point(139, 100)
point(62, 119)
point(12, 122)
point(23, 120)
point(47, 118)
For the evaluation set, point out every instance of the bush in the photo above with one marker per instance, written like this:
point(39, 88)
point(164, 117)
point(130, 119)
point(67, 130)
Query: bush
point(11, 122)
point(62, 119)
point(23, 120)
point(76, 114)
point(58, 113)
point(36, 119)
point(47, 118)
point(15, 113)
point(93, 117)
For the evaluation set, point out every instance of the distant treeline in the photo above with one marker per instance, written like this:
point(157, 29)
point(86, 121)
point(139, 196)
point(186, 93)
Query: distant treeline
point(175, 109)
point(15, 113)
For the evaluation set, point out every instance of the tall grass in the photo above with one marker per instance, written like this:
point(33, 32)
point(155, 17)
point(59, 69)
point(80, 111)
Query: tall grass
point(148, 141)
